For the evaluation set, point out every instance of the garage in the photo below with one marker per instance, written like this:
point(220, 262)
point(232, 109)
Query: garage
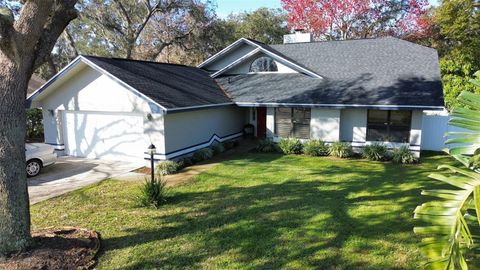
point(104, 135)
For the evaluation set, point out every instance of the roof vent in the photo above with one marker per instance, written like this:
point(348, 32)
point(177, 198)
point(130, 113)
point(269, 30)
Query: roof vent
point(298, 37)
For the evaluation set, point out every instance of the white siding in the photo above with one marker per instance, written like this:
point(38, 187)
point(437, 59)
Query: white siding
point(91, 91)
point(270, 122)
point(353, 125)
point(325, 125)
point(229, 57)
point(194, 129)
point(416, 128)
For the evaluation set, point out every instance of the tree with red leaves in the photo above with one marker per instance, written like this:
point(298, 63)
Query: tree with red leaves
point(347, 19)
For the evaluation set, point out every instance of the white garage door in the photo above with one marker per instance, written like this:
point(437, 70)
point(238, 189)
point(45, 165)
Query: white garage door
point(108, 136)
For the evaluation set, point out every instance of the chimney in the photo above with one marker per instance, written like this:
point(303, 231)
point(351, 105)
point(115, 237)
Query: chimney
point(297, 37)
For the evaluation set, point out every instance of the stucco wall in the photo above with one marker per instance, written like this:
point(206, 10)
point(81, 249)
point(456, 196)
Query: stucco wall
point(325, 124)
point(193, 130)
point(91, 91)
point(229, 57)
point(353, 125)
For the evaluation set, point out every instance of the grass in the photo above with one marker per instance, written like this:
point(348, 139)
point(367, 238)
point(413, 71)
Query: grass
point(259, 211)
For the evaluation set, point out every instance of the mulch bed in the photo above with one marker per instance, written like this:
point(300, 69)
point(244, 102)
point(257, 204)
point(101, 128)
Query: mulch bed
point(66, 248)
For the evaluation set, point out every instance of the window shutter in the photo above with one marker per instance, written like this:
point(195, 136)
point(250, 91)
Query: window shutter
point(283, 122)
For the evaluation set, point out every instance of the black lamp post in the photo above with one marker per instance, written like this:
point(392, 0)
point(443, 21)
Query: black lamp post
point(152, 150)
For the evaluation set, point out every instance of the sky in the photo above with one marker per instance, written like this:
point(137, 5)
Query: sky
point(225, 7)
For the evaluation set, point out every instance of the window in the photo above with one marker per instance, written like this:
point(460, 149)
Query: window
point(389, 126)
point(263, 64)
point(292, 122)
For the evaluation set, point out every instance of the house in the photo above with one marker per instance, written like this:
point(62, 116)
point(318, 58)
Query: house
point(359, 91)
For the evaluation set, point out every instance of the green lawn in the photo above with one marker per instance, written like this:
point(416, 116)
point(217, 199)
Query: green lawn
point(259, 211)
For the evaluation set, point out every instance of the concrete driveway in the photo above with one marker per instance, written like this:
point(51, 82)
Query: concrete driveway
point(71, 173)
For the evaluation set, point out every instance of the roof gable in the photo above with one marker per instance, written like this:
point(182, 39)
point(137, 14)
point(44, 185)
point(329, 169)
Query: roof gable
point(256, 47)
point(171, 87)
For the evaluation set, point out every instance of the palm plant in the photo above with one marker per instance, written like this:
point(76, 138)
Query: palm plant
point(451, 225)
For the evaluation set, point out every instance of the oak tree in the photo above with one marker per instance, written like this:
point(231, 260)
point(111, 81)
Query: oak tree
point(26, 41)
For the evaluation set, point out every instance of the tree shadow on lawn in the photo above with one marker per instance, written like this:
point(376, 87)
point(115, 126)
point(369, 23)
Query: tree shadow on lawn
point(291, 224)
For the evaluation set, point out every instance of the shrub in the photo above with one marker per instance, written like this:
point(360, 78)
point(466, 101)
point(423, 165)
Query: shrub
point(229, 145)
point(203, 154)
point(153, 193)
point(403, 155)
point(266, 146)
point(291, 146)
point(375, 152)
point(341, 150)
point(315, 148)
point(167, 167)
point(218, 148)
point(236, 143)
point(185, 162)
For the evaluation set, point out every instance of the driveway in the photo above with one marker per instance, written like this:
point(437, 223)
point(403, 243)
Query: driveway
point(71, 173)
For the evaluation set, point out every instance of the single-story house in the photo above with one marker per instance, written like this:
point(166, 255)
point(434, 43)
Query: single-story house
point(359, 91)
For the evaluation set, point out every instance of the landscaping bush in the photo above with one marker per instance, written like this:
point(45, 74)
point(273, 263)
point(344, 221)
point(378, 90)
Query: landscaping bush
point(315, 148)
point(153, 193)
point(203, 154)
point(403, 155)
point(218, 148)
point(375, 152)
point(341, 150)
point(266, 146)
point(229, 145)
point(167, 167)
point(291, 146)
point(185, 162)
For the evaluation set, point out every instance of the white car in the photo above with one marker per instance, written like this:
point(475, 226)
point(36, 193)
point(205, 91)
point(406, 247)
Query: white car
point(39, 155)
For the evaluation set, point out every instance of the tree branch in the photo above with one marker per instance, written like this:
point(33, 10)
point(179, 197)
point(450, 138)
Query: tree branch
point(62, 15)
point(6, 29)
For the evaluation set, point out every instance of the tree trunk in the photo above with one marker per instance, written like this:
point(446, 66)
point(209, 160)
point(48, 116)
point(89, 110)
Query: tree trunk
point(14, 202)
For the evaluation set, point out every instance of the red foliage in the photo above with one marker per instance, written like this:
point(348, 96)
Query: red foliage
point(345, 19)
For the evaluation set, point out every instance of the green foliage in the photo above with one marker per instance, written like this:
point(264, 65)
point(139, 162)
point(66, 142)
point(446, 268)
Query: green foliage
point(185, 162)
point(315, 148)
point(167, 167)
point(458, 22)
point(218, 148)
point(456, 74)
point(403, 155)
point(153, 193)
point(203, 154)
point(291, 146)
point(229, 145)
point(341, 150)
point(375, 152)
point(452, 234)
point(266, 146)
point(34, 124)
point(264, 25)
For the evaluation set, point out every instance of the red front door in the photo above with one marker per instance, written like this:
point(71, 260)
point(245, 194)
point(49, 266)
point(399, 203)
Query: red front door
point(261, 122)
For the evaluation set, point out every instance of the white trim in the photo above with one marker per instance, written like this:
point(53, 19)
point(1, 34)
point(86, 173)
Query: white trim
point(200, 106)
point(271, 54)
point(311, 73)
point(80, 59)
point(194, 148)
point(245, 104)
point(236, 62)
point(74, 62)
point(223, 51)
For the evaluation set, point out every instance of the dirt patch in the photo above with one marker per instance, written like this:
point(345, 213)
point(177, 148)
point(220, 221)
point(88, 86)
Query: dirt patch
point(67, 248)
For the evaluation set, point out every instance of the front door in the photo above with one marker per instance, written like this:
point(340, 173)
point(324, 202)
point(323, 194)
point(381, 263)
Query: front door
point(261, 122)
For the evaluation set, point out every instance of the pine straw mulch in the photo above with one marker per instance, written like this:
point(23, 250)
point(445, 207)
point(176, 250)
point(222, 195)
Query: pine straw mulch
point(66, 248)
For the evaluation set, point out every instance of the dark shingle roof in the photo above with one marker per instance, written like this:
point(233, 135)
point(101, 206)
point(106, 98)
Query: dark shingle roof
point(301, 89)
point(384, 71)
point(170, 85)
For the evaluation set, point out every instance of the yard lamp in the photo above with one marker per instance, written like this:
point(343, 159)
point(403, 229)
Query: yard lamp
point(152, 150)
